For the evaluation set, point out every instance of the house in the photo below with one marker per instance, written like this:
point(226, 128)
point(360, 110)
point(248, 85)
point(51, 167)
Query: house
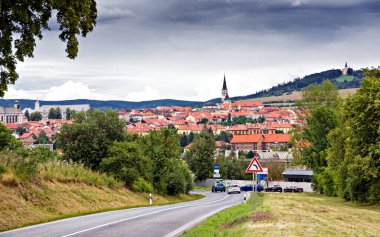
point(276, 141)
point(246, 143)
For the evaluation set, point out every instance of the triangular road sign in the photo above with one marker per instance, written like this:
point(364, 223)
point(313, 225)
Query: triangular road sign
point(254, 166)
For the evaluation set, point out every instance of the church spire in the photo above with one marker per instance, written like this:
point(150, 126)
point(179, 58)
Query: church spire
point(225, 90)
point(224, 83)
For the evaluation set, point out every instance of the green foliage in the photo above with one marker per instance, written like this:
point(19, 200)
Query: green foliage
point(2, 169)
point(42, 138)
point(201, 154)
point(126, 162)
point(141, 185)
point(35, 116)
point(20, 130)
point(345, 142)
point(179, 179)
point(314, 96)
point(224, 136)
point(23, 21)
point(242, 120)
point(69, 113)
point(27, 115)
point(250, 154)
point(232, 168)
point(55, 113)
point(203, 121)
point(88, 138)
point(6, 137)
point(161, 147)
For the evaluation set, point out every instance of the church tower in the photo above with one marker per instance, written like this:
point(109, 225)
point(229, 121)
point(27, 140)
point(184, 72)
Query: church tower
point(225, 90)
point(345, 70)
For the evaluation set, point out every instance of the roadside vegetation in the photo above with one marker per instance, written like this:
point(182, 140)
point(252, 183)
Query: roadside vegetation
point(293, 214)
point(343, 139)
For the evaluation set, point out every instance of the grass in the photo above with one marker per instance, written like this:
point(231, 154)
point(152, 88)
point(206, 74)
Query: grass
point(297, 96)
point(34, 191)
point(306, 214)
point(345, 78)
point(196, 188)
point(30, 203)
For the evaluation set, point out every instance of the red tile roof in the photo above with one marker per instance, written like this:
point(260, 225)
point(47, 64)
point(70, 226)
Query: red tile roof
point(247, 138)
point(277, 138)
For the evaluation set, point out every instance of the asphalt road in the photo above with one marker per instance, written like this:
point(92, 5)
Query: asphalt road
point(169, 220)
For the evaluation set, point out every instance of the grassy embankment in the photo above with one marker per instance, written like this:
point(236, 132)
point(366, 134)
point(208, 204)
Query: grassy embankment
point(306, 214)
point(35, 193)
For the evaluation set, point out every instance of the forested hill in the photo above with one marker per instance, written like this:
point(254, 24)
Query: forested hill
point(352, 80)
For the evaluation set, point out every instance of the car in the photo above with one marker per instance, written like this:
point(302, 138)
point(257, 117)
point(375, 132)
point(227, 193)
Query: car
point(233, 189)
point(248, 187)
point(293, 189)
point(218, 187)
point(274, 188)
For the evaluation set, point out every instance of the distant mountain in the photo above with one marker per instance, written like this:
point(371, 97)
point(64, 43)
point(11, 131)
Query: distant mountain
point(104, 105)
point(352, 80)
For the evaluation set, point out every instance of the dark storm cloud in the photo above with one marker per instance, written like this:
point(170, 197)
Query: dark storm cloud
point(283, 16)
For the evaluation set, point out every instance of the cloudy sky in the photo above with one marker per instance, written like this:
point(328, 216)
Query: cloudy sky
point(180, 49)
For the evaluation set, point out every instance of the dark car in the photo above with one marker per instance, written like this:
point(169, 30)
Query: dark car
point(274, 188)
point(218, 187)
point(293, 189)
point(250, 188)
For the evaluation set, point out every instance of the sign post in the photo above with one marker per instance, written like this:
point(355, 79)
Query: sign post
point(254, 167)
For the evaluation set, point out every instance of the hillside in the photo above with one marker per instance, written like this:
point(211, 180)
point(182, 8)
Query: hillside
point(99, 104)
point(296, 96)
point(287, 88)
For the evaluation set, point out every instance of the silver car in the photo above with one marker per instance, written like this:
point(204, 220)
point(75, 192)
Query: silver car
point(233, 189)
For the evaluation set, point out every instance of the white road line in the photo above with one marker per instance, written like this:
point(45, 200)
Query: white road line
point(89, 215)
point(180, 230)
point(138, 216)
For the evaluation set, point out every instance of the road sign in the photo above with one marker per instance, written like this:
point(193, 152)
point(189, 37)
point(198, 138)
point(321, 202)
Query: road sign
point(263, 176)
point(216, 171)
point(254, 166)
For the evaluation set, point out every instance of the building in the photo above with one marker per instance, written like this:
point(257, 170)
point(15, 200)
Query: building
point(345, 70)
point(11, 114)
point(260, 142)
point(297, 175)
point(44, 109)
point(225, 90)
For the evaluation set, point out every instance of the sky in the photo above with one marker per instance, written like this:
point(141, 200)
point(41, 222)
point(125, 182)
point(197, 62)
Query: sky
point(181, 49)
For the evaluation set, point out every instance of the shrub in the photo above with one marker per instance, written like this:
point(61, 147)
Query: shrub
point(2, 169)
point(140, 185)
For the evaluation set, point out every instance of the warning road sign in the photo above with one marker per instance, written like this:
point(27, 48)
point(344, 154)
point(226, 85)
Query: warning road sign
point(254, 166)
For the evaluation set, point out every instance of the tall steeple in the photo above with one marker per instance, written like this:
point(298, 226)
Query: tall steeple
point(225, 90)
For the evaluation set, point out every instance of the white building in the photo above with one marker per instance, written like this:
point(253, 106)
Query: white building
point(11, 114)
point(44, 109)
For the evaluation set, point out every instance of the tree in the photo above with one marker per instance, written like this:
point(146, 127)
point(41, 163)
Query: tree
point(201, 155)
point(224, 136)
point(354, 157)
point(55, 113)
point(88, 138)
point(203, 121)
point(126, 162)
point(35, 116)
point(27, 115)
point(20, 130)
point(69, 113)
point(42, 138)
point(23, 21)
point(5, 137)
point(314, 96)
point(250, 154)
point(161, 147)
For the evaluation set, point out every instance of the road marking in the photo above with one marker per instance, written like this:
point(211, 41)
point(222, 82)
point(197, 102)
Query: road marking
point(91, 215)
point(138, 216)
point(180, 230)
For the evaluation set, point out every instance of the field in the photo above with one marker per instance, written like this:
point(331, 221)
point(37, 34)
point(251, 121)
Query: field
point(306, 214)
point(344, 78)
point(297, 96)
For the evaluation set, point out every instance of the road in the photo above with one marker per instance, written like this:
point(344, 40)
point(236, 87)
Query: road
point(168, 220)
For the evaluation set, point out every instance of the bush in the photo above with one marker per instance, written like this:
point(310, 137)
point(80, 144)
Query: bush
point(140, 185)
point(2, 169)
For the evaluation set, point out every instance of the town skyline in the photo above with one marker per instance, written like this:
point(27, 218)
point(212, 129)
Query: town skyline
point(141, 50)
